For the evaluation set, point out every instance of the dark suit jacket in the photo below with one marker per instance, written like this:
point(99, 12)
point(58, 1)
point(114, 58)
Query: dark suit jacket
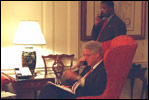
point(114, 28)
point(95, 82)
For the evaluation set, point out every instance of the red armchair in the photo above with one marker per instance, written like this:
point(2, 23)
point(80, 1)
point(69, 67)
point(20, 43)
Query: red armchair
point(118, 56)
point(5, 79)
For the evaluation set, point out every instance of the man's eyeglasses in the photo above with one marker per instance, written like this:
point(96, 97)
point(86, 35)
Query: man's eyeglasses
point(87, 55)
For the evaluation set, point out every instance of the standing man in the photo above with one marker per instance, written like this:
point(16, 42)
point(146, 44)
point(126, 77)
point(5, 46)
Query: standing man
point(107, 24)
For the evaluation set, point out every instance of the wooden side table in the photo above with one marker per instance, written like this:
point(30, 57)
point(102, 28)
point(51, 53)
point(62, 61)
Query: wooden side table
point(31, 85)
point(137, 72)
point(28, 85)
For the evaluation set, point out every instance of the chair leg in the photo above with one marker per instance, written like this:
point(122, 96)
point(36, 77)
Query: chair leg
point(132, 86)
point(147, 92)
point(35, 94)
point(144, 87)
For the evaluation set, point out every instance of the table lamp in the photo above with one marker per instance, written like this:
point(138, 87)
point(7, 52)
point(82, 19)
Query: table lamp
point(29, 33)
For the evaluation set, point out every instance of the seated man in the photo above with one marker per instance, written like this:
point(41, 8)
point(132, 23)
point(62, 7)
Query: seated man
point(92, 81)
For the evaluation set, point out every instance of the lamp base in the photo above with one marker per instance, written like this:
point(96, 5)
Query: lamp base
point(29, 60)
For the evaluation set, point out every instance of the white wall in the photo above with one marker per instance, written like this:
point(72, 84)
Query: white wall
point(59, 21)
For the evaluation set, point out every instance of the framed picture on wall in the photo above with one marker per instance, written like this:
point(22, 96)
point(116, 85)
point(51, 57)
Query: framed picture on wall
point(131, 12)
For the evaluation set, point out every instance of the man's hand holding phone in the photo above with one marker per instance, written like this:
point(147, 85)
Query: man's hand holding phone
point(79, 62)
point(98, 19)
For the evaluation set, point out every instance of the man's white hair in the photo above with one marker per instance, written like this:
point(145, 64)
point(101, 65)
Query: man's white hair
point(94, 47)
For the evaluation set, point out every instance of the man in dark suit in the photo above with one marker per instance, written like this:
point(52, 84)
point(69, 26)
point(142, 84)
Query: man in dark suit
point(92, 81)
point(113, 27)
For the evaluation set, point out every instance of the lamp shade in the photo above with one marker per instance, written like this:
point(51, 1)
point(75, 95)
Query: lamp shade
point(29, 32)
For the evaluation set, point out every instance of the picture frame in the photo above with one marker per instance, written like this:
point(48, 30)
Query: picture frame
point(135, 22)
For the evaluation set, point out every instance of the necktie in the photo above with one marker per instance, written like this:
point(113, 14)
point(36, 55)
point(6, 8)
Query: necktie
point(76, 84)
point(103, 26)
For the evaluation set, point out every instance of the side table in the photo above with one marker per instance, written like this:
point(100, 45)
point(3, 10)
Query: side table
point(137, 72)
point(28, 85)
point(24, 88)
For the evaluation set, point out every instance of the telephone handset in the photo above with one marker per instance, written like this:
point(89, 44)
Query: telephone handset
point(84, 63)
point(77, 69)
point(101, 16)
